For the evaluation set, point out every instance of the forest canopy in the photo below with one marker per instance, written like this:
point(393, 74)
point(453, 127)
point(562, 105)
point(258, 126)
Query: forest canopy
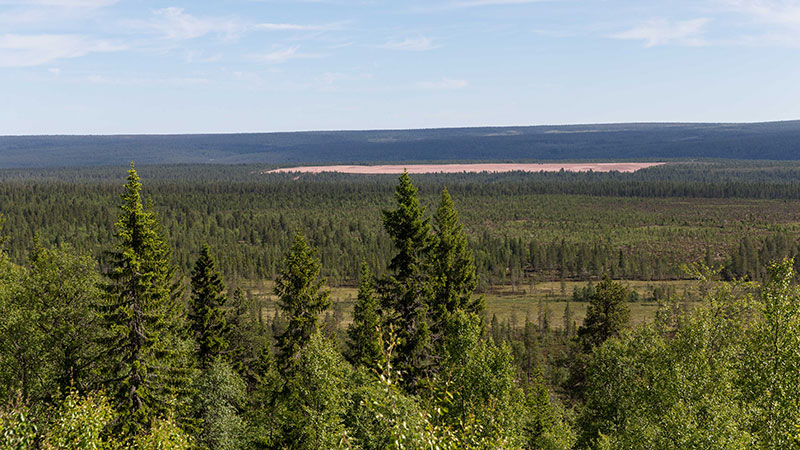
point(124, 351)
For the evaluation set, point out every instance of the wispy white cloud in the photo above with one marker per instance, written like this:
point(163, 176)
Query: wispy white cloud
point(146, 81)
point(782, 12)
point(417, 44)
point(460, 4)
point(175, 24)
point(282, 55)
point(61, 3)
point(19, 50)
point(661, 32)
point(297, 27)
point(474, 3)
point(444, 83)
point(768, 22)
point(45, 13)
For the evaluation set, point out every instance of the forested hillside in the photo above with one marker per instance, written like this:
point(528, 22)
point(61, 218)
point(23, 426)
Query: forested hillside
point(128, 352)
point(639, 141)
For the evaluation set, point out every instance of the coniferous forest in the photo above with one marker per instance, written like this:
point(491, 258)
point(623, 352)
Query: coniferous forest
point(129, 319)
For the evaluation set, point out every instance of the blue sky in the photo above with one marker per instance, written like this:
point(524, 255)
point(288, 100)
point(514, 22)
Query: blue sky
point(106, 66)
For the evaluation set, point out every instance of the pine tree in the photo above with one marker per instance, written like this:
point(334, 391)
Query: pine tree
point(141, 314)
point(607, 314)
point(406, 292)
point(207, 313)
point(453, 268)
point(364, 336)
point(301, 297)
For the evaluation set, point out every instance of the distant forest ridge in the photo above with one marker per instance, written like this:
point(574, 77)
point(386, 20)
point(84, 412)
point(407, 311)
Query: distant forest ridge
point(631, 141)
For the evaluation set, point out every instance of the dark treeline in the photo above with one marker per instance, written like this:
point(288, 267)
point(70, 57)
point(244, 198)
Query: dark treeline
point(641, 141)
point(116, 353)
point(716, 178)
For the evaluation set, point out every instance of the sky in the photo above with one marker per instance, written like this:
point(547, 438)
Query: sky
point(139, 66)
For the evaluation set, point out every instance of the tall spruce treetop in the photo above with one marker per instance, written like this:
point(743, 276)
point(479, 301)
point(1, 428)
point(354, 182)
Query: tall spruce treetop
point(408, 228)
point(141, 314)
point(406, 292)
point(453, 265)
point(207, 313)
point(364, 336)
point(301, 297)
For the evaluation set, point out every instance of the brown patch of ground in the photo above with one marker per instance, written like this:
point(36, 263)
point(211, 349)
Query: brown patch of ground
point(460, 168)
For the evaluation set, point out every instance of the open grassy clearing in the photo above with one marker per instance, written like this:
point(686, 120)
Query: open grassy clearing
point(514, 305)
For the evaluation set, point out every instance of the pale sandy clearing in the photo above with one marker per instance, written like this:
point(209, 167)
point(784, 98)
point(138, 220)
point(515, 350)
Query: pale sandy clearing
point(459, 168)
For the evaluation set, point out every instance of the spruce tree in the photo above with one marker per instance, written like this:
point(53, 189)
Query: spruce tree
point(141, 315)
point(531, 357)
point(453, 268)
point(207, 309)
point(406, 292)
point(246, 337)
point(364, 336)
point(302, 299)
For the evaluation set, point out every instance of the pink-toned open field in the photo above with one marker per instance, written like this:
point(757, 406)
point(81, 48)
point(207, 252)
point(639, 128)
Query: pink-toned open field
point(459, 168)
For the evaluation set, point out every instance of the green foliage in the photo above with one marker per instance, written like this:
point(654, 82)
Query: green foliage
point(264, 406)
point(453, 274)
point(406, 293)
point(315, 398)
point(364, 342)
point(49, 323)
point(674, 388)
point(771, 361)
point(20, 339)
point(246, 338)
point(301, 297)
point(607, 316)
point(79, 423)
point(61, 291)
point(207, 309)
point(141, 313)
point(453, 269)
point(476, 390)
point(383, 416)
point(17, 431)
point(163, 434)
point(409, 231)
point(220, 396)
